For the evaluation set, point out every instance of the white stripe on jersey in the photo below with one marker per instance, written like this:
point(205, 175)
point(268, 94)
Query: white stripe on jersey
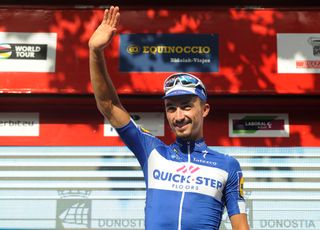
point(185, 177)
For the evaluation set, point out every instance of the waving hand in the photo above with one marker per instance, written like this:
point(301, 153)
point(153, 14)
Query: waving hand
point(106, 30)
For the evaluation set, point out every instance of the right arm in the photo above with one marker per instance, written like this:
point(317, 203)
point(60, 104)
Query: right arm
point(105, 94)
point(107, 99)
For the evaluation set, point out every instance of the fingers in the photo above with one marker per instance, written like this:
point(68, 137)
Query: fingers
point(105, 15)
point(115, 16)
point(117, 20)
point(112, 16)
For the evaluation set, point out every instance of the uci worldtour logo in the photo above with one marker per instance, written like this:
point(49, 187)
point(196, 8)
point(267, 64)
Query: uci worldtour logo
point(183, 179)
point(23, 51)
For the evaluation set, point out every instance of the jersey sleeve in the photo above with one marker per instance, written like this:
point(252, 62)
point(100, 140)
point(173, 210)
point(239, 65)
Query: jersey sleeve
point(235, 202)
point(138, 140)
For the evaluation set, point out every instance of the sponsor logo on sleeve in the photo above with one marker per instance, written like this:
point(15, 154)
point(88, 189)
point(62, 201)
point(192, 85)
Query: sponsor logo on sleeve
point(240, 184)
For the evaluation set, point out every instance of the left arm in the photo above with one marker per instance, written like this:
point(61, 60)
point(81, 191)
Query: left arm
point(239, 222)
point(235, 202)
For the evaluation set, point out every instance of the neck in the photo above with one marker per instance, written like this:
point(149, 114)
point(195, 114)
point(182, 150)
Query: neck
point(186, 140)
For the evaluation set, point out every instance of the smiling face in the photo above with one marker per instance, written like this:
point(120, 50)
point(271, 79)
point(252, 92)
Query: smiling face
point(185, 115)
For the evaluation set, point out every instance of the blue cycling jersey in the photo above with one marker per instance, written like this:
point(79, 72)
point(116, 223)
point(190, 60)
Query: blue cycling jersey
point(188, 185)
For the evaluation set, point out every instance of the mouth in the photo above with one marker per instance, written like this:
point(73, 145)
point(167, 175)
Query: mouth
point(181, 126)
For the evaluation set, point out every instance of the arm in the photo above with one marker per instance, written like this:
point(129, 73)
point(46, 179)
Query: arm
point(235, 201)
point(239, 222)
point(105, 94)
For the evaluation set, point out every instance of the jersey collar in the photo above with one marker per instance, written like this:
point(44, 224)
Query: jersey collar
point(195, 146)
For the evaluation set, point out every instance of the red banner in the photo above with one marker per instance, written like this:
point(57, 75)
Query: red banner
point(247, 44)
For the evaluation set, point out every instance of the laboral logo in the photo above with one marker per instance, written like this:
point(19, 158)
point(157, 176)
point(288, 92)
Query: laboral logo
point(187, 177)
point(258, 125)
point(27, 52)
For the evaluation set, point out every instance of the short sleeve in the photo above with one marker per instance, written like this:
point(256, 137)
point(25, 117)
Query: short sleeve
point(235, 202)
point(138, 140)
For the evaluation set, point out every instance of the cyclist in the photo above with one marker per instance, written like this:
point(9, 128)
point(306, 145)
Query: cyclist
point(188, 185)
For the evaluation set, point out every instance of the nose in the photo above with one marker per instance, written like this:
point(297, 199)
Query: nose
point(179, 115)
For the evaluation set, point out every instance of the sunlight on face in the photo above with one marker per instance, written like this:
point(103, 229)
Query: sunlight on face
point(185, 115)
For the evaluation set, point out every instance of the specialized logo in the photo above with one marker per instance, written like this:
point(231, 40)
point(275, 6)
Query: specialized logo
point(23, 51)
point(205, 152)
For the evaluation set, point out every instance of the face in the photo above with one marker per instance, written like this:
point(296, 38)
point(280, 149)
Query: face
point(185, 115)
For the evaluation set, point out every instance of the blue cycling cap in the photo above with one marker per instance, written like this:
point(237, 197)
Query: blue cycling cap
point(184, 84)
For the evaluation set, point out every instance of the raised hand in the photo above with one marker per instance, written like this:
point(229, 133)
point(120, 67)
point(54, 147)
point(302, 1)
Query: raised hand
point(106, 30)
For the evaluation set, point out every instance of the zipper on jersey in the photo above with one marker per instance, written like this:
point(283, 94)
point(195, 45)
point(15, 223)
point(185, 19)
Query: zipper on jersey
point(183, 192)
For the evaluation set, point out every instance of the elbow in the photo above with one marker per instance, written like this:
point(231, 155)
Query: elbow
point(105, 107)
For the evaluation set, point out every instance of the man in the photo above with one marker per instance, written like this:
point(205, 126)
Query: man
point(188, 185)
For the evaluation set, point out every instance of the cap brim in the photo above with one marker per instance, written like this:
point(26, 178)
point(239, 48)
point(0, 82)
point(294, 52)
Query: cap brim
point(176, 93)
point(181, 92)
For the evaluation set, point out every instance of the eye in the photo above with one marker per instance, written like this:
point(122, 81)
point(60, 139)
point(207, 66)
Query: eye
point(170, 108)
point(186, 107)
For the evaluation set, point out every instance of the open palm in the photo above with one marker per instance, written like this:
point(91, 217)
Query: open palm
point(106, 30)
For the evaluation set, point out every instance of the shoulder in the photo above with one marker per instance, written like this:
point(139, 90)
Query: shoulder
point(134, 134)
point(133, 128)
point(225, 161)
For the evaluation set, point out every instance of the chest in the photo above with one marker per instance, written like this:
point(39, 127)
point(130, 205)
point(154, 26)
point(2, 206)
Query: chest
point(186, 173)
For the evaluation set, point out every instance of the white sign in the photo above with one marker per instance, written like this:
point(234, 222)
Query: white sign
point(19, 124)
point(153, 122)
point(285, 214)
point(298, 53)
point(27, 52)
point(118, 214)
point(258, 125)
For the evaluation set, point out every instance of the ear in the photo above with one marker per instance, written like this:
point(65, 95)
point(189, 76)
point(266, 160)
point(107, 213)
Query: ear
point(206, 109)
